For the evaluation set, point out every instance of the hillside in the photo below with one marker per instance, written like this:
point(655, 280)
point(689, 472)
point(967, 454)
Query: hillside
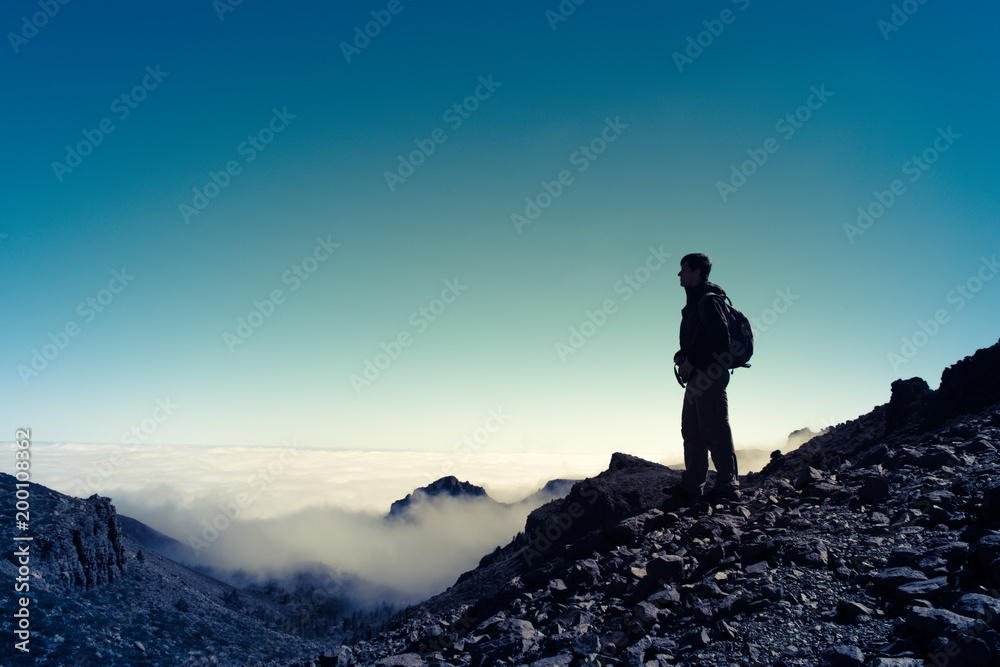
point(98, 597)
point(876, 543)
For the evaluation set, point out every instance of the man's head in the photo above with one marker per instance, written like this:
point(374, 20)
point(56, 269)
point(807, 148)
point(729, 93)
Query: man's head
point(695, 268)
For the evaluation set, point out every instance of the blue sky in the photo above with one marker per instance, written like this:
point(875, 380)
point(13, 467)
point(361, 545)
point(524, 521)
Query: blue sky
point(751, 131)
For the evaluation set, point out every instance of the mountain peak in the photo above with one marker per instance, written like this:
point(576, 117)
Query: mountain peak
point(449, 486)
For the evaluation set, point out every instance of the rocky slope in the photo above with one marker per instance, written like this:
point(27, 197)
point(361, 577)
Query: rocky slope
point(97, 597)
point(876, 543)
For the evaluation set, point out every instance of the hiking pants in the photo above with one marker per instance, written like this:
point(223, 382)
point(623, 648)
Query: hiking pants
point(705, 429)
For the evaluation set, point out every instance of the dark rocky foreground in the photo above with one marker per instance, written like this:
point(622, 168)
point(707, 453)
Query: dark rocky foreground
point(877, 544)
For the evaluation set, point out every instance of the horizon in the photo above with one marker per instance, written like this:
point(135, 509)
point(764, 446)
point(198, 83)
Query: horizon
point(450, 229)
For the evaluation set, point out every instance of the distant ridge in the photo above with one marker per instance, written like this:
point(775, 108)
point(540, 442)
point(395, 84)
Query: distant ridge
point(449, 487)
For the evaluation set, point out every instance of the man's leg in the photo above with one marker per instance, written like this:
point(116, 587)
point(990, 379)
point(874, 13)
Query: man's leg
point(718, 434)
point(692, 431)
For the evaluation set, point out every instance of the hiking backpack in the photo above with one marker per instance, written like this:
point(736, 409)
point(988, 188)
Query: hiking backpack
point(740, 332)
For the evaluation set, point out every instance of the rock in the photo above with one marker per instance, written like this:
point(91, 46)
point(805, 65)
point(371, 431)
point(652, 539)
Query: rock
point(933, 622)
point(645, 614)
point(665, 569)
point(922, 590)
point(809, 475)
point(773, 592)
point(908, 397)
point(991, 503)
point(968, 384)
point(943, 559)
point(725, 632)
point(853, 612)
point(963, 650)
point(873, 456)
point(402, 660)
point(511, 637)
point(984, 607)
point(584, 574)
point(586, 644)
point(937, 457)
point(558, 590)
point(561, 660)
point(894, 577)
point(844, 656)
point(812, 553)
point(904, 555)
point(695, 640)
point(665, 597)
point(341, 656)
point(874, 489)
point(626, 532)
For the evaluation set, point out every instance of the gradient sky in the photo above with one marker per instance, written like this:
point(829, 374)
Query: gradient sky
point(779, 242)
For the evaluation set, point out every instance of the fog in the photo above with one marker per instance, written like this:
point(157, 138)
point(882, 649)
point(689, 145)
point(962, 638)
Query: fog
point(270, 512)
point(416, 558)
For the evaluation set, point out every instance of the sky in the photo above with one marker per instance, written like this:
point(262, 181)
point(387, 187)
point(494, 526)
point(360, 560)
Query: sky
point(442, 227)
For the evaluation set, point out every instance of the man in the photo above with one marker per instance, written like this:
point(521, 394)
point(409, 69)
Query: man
point(704, 338)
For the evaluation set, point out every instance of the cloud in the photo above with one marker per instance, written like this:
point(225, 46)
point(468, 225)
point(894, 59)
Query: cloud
point(271, 510)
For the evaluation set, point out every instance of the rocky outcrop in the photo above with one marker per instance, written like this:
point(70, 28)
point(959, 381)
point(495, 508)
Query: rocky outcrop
point(968, 385)
point(76, 545)
point(909, 398)
point(98, 597)
point(446, 487)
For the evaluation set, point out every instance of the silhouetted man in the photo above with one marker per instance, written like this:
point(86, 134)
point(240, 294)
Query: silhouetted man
point(704, 338)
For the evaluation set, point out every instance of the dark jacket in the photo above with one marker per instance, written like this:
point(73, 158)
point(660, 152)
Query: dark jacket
point(704, 328)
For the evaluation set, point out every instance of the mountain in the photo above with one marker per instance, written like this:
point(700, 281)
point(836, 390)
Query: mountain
point(875, 543)
point(153, 540)
point(446, 487)
point(97, 596)
point(554, 488)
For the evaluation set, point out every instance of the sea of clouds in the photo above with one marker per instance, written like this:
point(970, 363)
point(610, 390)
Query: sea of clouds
point(270, 511)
